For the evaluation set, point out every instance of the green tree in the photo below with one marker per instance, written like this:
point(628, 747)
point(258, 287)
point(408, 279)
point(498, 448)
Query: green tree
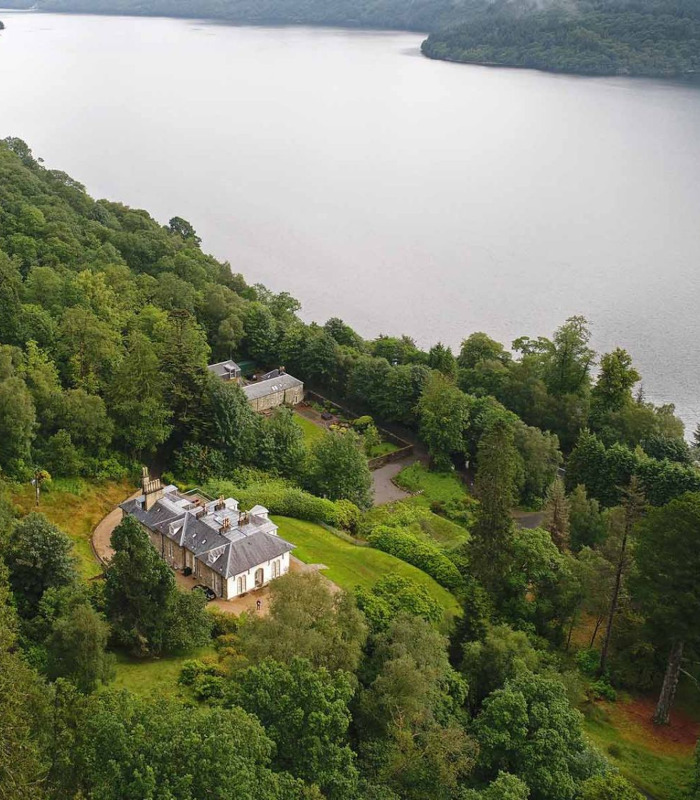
point(234, 425)
point(168, 749)
point(337, 469)
point(308, 621)
point(668, 564)
point(305, 712)
point(610, 786)
point(443, 411)
point(142, 600)
point(38, 556)
point(613, 389)
point(17, 426)
point(556, 514)
point(282, 450)
point(76, 648)
point(393, 595)
point(529, 729)
point(441, 359)
point(587, 527)
point(135, 398)
point(261, 333)
point(504, 787)
point(495, 487)
point(480, 347)
point(569, 360)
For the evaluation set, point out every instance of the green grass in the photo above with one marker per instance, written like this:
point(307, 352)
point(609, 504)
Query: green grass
point(419, 520)
point(75, 506)
point(382, 449)
point(154, 675)
point(663, 775)
point(311, 431)
point(349, 565)
point(434, 486)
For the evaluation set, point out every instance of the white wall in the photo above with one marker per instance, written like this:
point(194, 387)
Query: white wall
point(232, 588)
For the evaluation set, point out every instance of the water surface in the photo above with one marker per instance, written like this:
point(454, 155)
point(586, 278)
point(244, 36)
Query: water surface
point(402, 194)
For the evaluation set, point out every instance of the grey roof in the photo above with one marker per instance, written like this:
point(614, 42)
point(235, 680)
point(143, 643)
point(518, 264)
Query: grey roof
point(225, 368)
point(247, 542)
point(271, 386)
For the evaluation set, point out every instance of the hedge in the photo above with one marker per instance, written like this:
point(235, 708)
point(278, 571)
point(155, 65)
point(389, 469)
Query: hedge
point(409, 548)
point(289, 501)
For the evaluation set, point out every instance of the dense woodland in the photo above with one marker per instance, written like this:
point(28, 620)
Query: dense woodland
point(591, 37)
point(107, 322)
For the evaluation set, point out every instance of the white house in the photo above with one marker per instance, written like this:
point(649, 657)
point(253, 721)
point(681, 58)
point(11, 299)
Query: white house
point(230, 551)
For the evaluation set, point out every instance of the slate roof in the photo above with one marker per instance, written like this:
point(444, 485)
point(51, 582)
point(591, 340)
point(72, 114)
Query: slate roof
point(247, 542)
point(271, 386)
point(225, 368)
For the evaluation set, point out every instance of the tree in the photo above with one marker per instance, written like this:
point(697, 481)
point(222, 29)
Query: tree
point(480, 347)
point(305, 712)
point(587, 527)
point(409, 734)
point(164, 748)
point(505, 787)
point(233, 423)
point(38, 556)
point(569, 361)
point(282, 450)
point(610, 786)
point(502, 655)
point(135, 398)
point(668, 564)
point(261, 333)
point(613, 389)
point(308, 621)
point(337, 469)
point(495, 488)
point(529, 729)
point(76, 648)
point(393, 595)
point(184, 229)
point(443, 411)
point(441, 359)
point(556, 514)
point(143, 604)
point(17, 426)
point(633, 508)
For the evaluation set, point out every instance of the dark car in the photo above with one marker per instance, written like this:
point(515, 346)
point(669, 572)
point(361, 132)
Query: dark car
point(208, 593)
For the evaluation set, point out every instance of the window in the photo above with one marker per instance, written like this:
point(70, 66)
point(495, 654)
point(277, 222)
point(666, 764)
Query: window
point(276, 568)
point(241, 584)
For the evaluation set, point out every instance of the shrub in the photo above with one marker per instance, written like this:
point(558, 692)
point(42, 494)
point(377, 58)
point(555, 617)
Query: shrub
point(421, 554)
point(602, 690)
point(288, 501)
point(588, 661)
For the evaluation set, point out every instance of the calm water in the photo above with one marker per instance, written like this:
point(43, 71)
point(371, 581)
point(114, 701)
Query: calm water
point(401, 194)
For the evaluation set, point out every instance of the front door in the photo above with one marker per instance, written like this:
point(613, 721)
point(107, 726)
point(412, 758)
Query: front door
point(259, 577)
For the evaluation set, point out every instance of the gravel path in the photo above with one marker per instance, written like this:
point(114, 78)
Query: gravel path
point(385, 490)
point(102, 535)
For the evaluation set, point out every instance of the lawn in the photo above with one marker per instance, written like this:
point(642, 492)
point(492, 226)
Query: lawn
point(75, 506)
point(349, 565)
point(658, 761)
point(154, 675)
point(382, 449)
point(310, 429)
point(433, 486)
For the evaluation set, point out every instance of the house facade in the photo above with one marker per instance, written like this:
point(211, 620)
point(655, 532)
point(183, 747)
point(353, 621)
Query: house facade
point(230, 551)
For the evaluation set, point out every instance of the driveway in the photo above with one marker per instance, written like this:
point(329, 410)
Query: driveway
point(385, 490)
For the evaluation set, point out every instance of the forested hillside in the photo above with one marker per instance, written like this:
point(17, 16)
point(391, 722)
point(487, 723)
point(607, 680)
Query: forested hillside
point(373, 691)
point(593, 37)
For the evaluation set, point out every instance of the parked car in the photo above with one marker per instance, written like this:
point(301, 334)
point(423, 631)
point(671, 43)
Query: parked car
point(208, 593)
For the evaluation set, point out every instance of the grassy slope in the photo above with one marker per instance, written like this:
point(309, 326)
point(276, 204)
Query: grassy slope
point(76, 506)
point(658, 765)
point(350, 565)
